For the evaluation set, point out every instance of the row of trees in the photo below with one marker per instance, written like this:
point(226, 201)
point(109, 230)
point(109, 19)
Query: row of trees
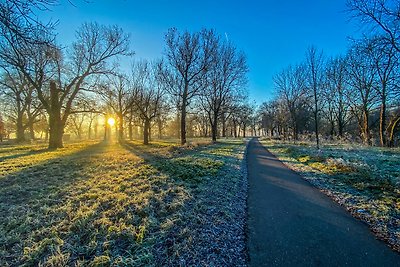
point(355, 94)
point(43, 83)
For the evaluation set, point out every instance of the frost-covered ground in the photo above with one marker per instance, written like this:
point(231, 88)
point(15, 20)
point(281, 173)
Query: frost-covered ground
point(365, 180)
point(93, 204)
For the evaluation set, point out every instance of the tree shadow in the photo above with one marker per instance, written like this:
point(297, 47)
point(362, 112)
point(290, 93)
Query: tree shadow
point(24, 154)
point(28, 184)
point(176, 162)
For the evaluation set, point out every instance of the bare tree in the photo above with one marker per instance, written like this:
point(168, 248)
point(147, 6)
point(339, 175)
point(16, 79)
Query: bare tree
point(18, 18)
point(189, 55)
point(225, 80)
point(380, 16)
point(22, 98)
point(361, 78)
point(315, 74)
point(335, 94)
point(291, 87)
point(386, 65)
point(148, 89)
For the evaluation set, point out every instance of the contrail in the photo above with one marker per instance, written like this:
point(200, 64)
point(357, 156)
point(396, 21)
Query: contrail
point(226, 36)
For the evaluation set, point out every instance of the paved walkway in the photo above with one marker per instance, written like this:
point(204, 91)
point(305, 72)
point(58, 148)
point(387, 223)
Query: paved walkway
point(293, 224)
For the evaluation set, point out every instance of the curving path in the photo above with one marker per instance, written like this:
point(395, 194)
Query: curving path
point(291, 223)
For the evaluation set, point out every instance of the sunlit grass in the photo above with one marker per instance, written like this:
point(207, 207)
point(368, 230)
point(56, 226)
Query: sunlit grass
point(108, 204)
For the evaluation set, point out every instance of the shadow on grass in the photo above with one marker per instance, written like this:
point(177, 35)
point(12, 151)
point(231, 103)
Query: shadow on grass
point(24, 154)
point(30, 183)
point(189, 164)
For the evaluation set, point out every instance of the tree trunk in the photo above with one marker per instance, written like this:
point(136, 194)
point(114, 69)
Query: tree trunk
point(130, 130)
point(56, 124)
point(149, 131)
point(223, 125)
point(90, 129)
point(56, 130)
point(120, 127)
point(316, 124)
point(214, 126)
point(146, 131)
point(366, 127)
point(20, 128)
point(382, 122)
point(392, 131)
point(183, 124)
point(159, 122)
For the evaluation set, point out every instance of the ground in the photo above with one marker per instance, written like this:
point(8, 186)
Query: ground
point(101, 204)
point(365, 180)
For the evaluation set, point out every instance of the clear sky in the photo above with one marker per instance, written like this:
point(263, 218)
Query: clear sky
point(272, 33)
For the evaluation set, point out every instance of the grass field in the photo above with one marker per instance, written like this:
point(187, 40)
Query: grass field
point(97, 204)
point(365, 180)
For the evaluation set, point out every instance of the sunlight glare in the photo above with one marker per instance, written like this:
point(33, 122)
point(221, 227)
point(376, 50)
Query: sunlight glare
point(111, 121)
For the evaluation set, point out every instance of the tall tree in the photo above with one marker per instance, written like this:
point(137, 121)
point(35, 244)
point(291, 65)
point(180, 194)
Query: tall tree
point(385, 60)
point(315, 73)
point(225, 80)
point(335, 93)
point(189, 55)
point(291, 87)
point(148, 89)
point(361, 79)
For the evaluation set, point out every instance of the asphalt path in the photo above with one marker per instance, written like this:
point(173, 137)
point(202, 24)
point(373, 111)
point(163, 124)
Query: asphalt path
point(291, 223)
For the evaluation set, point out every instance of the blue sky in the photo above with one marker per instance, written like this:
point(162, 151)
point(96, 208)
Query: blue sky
point(272, 33)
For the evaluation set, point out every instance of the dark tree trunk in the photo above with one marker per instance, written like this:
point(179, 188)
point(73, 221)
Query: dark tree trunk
point(56, 130)
point(214, 126)
point(214, 132)
point(150, 131)
point(31, 130)
point(56, 124)
point(20, 128)
point(146, 132)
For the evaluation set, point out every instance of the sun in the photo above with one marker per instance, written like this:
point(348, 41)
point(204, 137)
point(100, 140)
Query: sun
point(111, 121)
